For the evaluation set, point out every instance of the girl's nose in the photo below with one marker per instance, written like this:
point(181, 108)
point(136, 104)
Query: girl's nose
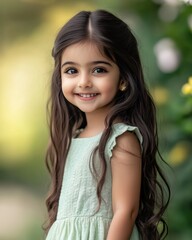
point(85, 81)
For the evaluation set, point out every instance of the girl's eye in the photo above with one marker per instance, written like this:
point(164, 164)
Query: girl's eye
point(71, 71)
point(99, 70)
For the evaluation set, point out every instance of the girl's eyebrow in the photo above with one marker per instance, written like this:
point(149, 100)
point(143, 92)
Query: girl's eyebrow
point(102, 62)
point(92, 63)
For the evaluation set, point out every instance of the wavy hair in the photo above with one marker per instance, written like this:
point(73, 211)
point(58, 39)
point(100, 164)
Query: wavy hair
point(133, 106)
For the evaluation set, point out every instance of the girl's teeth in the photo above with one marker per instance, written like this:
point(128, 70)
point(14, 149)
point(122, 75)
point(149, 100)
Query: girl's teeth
point(88, 95)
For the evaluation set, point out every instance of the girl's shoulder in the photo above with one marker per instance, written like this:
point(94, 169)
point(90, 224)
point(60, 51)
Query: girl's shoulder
point(119, 129)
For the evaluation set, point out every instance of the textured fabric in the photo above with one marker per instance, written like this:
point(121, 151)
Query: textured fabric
point(76, 217)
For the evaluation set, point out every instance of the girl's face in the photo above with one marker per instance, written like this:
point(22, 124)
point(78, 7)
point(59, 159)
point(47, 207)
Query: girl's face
point(90, 80)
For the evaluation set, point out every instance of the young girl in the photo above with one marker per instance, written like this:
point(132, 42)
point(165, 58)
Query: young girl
point(106, 183)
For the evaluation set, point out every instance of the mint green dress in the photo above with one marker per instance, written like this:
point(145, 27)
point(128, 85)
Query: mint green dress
point(76, 217)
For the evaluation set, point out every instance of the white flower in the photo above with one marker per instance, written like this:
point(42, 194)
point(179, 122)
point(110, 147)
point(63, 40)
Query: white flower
point(167, 55)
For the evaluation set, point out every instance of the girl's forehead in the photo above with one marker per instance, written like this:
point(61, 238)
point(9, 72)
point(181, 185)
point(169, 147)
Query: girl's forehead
point(84, 47)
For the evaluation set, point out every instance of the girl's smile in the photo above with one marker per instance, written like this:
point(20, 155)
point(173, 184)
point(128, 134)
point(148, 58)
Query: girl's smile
point(86, 96)
point(89, 82)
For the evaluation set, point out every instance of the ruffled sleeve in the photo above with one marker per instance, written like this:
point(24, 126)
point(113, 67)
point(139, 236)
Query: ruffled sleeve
point(117, 130)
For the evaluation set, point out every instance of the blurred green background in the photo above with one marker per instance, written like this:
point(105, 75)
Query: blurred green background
point(27, 31)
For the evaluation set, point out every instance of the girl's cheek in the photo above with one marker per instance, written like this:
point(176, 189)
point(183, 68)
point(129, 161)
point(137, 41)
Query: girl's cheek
point(63, 86)
point(67, 88)
point(110, 87)
point(64, 83)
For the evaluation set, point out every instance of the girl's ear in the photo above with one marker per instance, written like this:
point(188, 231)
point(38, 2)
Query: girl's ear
point(122, 85)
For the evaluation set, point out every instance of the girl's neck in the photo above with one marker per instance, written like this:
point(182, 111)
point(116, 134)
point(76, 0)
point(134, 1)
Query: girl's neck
point(95, 124)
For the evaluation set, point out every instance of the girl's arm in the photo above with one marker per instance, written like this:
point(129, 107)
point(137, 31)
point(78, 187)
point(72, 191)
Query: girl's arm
point(126, 182)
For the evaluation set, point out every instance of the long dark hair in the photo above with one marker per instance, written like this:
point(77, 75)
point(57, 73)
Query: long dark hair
point(133, 106)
